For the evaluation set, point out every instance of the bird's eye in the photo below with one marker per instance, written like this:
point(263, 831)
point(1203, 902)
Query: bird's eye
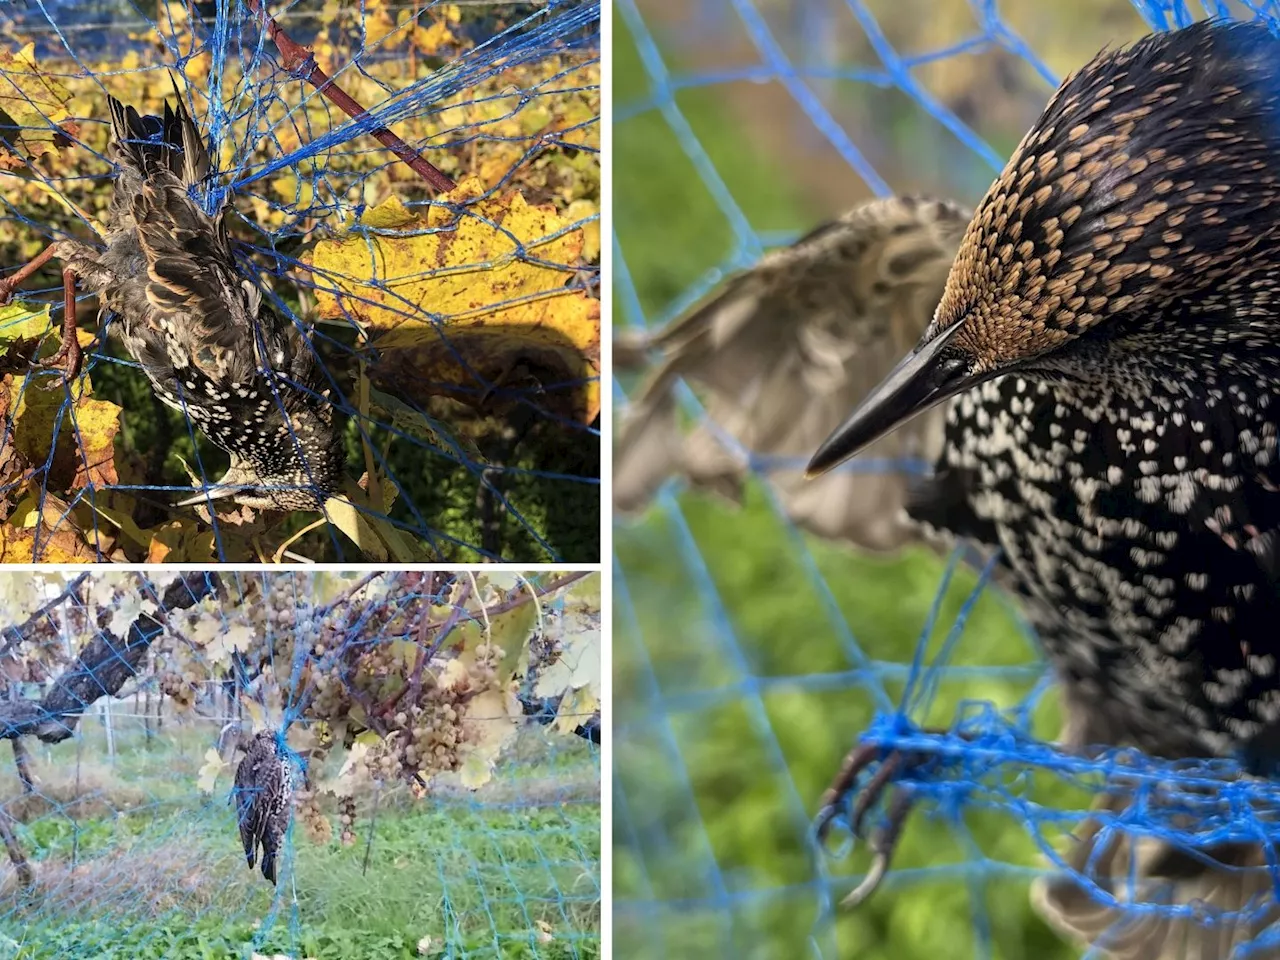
point(954, 362)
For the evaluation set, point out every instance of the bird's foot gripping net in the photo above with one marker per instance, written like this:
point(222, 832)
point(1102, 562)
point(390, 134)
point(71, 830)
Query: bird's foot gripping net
point(754, 646)
point(414, 199)
point(327, 766)
point(1126, 843)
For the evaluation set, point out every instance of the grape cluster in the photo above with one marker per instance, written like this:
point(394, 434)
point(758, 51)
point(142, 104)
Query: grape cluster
point(368, 660)
point(178, 687)
point(347, 816)
point(307, 810)
point(424, 737)
point(365, 653)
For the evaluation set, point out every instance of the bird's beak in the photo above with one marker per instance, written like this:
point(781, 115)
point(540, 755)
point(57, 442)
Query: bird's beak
point(213, 493)
point(924, 379)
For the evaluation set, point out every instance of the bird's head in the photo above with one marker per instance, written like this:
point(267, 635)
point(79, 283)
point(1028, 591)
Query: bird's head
point(1138, 197)
point(296, 465)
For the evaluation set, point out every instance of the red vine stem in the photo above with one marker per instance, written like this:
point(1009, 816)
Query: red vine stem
point(301, 62)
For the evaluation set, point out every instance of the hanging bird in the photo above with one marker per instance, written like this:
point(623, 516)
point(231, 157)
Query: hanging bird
point(201, 332)
point(781, 355)
point(1107, 348)
point(263, 796)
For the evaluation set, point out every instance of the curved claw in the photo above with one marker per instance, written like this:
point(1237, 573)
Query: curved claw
point(879, 867)
point(893, 763)
point(854, 763)
point(870, 794)
point(884, 844)
point(884, 841)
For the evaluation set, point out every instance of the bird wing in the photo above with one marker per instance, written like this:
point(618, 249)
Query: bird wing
point(256, 786)
point(1227, 879)
point(247, 810)
point(781, 356)
point(203, 311)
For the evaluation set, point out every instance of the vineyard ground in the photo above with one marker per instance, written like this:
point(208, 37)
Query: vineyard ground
point(134, 862)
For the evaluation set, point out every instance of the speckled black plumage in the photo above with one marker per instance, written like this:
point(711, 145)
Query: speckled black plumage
point(1109, 346)
point(201, 332)
point(1127, 466)
point(263, 795)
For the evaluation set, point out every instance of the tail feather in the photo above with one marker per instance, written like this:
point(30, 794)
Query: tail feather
point(268, 861)
point(169, 142)
point(1230, 887)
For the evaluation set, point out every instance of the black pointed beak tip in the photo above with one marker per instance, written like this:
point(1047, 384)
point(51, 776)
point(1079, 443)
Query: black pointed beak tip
point(922, 380)
point(845, 443)
point(822, 462)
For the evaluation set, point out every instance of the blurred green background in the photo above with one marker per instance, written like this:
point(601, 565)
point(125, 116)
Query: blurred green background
point(725, 617)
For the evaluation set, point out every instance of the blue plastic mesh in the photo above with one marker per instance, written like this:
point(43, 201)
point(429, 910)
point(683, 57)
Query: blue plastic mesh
point(134, 855)
point(749, 658)
point(458, 333)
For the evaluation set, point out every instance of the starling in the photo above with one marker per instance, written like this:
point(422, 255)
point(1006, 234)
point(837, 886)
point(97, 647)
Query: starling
point(1107, 351)
point(201, 332)
point(263, 796)
point(779, 358)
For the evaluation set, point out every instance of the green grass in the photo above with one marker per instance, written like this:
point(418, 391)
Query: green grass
point(134, 864)
point(700, 789)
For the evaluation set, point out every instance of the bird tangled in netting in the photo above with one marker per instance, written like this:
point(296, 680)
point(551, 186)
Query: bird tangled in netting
point(201, 333)
point(354, 738)
point(263, 795)
point(391, 361)
point(1093, 379)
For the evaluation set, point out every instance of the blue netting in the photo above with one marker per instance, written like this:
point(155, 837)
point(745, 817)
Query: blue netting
point(749, 658)
point(457, 333)
point(420, 840)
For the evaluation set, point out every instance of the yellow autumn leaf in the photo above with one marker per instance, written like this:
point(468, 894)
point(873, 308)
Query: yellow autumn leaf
point(379, 29)
point(207, 776)
point(476, 770)
point(585, 211)
point(434, 38)
point(36, 100)
point(257, 712)
point(576, 708)
point(86, 428)
point(357, 526)
point(488, 728)
point(181, 540)
point(36, 543)
point(455, 302)
point(118, 515)
point(21, 321)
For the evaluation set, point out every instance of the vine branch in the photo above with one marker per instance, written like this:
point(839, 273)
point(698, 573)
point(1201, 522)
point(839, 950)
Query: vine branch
point(101, 669)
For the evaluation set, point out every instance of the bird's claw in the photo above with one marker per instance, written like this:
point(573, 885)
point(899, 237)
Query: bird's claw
point(884, 840)
point(69, 360)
